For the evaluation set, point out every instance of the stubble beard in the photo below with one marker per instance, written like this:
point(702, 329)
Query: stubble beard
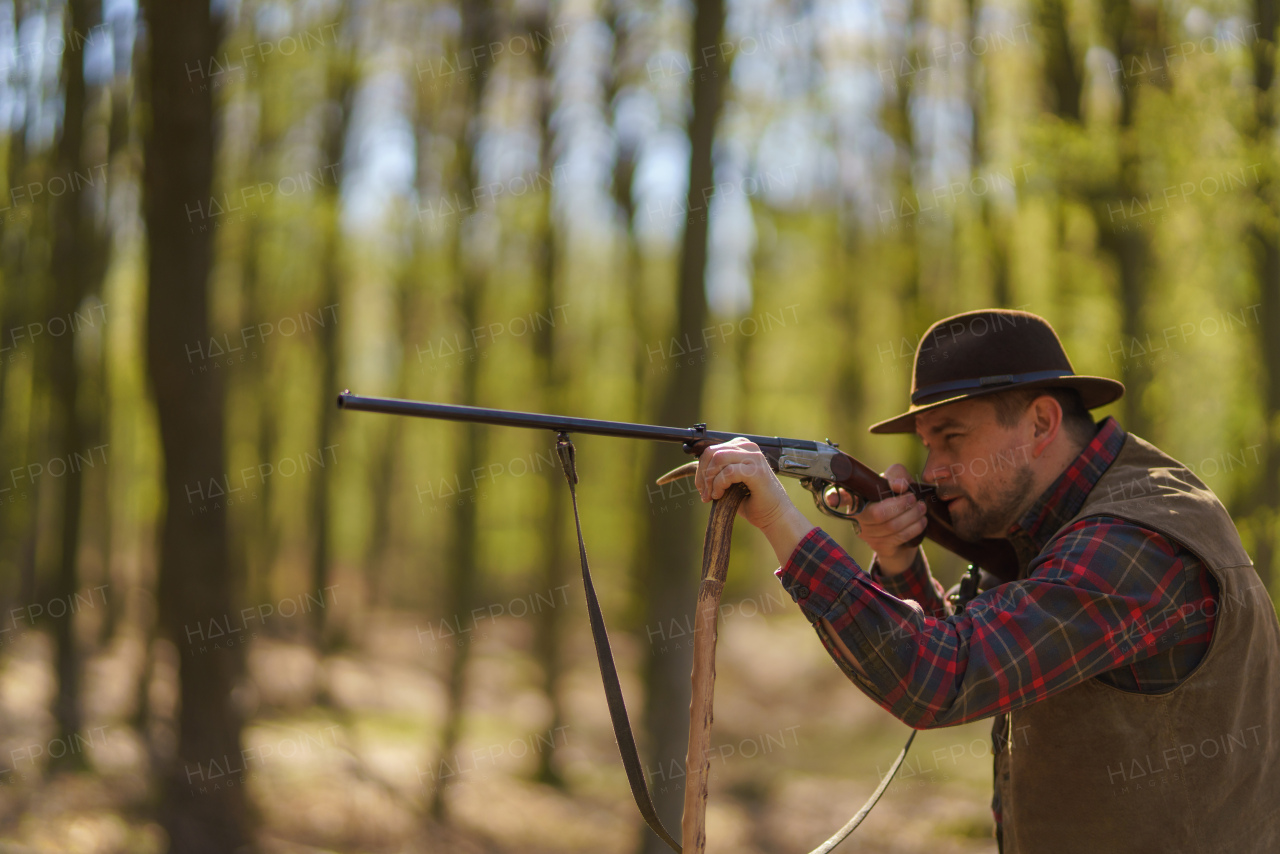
point(996, 512)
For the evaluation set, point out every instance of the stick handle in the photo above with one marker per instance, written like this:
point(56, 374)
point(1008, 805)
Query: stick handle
point(715, 568)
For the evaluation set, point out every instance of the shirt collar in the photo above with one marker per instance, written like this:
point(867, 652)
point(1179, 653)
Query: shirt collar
point(1064, 498)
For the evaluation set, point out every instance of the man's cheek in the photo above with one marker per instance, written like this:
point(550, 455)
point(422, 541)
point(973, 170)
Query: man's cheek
point(971, 498)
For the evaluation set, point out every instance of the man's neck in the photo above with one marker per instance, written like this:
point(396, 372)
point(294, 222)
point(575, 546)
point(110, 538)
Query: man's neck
point(1046, 471)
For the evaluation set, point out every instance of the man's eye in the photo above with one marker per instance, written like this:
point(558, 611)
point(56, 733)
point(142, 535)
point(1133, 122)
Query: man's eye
point(949, 436)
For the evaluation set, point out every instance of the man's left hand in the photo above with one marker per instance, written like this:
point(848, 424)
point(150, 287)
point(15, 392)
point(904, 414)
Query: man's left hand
point(769, 507)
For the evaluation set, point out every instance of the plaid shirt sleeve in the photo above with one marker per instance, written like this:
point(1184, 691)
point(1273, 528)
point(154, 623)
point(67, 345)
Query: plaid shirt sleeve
point(916, 584)
point(1105, 596)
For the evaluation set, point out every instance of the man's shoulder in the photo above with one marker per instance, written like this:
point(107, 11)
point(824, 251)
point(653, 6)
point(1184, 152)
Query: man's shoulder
point(1104, 530)
point(1109, 548)
point(1153, 491)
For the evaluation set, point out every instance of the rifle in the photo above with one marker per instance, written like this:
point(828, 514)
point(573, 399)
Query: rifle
point(821, 467)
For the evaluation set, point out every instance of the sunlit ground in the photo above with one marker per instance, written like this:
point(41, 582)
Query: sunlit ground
point(342, 754)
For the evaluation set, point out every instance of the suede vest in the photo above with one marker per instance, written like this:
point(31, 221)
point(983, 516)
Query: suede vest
point(1194, 769)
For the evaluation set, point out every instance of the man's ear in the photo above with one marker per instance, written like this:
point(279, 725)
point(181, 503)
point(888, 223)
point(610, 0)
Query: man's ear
point(1046, 415)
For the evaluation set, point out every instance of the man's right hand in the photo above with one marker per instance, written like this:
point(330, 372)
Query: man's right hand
point(887, 526)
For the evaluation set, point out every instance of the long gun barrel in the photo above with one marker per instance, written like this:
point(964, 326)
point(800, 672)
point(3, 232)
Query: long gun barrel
point(821, 467)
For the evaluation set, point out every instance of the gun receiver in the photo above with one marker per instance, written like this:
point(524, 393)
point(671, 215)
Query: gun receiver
point(821, 467)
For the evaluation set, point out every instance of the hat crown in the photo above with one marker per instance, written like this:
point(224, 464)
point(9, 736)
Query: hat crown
point(989, 351)
point(984, 350)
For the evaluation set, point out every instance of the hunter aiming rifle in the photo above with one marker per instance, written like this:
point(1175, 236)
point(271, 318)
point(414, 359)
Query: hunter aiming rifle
point(821, 467)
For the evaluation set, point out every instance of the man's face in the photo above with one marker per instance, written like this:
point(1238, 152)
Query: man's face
point(982, 469)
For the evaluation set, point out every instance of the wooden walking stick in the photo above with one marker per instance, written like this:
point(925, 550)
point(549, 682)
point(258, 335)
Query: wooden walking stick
point(715, 567)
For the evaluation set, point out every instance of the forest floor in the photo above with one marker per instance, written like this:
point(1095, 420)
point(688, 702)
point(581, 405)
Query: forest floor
point(341, 753)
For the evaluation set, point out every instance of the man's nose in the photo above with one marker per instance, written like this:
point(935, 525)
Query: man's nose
point(935, 470)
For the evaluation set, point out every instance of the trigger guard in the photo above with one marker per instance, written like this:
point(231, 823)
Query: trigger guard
point(819, 488)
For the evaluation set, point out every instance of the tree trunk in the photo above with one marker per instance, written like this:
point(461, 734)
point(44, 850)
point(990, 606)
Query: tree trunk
point(388, 450)
point(479, 30)
point(994, 235)
point(259, 543)
point(341, 88)
point(409, 288)
point(1063, 81)
point(117, 127)
point(195, 582)
point(850, 384)
point(916, 316)
point(13, 314)
point(548, 626)
point(669, 544)
point(70, 262)
point(1133, 31)
point(1061, 66)
point(631, 262)
point(22, 276)
point(385, 462)
point(1264, 245)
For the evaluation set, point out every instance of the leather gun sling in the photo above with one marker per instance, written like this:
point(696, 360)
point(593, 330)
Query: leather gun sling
point(715, 562)
point(608, 670)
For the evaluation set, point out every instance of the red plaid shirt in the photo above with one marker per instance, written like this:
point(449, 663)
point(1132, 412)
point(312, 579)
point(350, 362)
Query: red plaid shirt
point(1107, 599)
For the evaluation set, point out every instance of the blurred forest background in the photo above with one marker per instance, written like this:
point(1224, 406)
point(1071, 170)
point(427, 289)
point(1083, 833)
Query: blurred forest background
point(235, 618)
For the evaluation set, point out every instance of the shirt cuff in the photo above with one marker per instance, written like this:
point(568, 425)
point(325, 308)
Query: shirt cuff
point(817, 573)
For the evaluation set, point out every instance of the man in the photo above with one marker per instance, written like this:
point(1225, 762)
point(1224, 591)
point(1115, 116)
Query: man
point(1133, 667)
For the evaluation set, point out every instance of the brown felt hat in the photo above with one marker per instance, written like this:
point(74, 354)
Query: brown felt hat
point(984, 352)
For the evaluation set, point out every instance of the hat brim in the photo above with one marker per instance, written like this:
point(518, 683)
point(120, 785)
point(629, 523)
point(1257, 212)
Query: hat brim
point(1094, 391)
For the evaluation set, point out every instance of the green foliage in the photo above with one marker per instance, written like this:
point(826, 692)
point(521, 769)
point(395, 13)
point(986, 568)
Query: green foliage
point(970, 185)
